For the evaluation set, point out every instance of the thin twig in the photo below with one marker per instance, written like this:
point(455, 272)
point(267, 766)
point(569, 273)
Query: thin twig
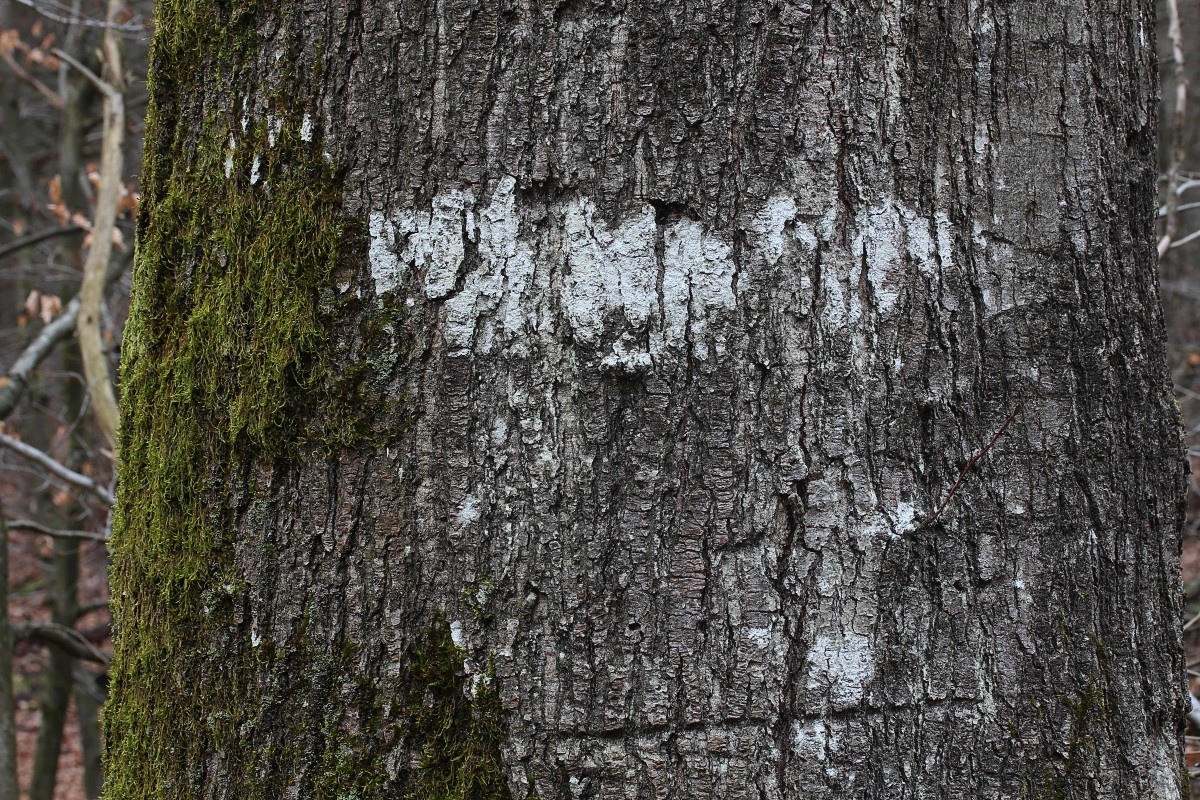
point(1162, 210)
point(34, 238)
point(1184, 240)
point(13, 384)
point(58, 533)
point(45, 91)
point(50, 465)
point(87, 22)
point(1180, 78)
point(974, 460)
point(87, 608)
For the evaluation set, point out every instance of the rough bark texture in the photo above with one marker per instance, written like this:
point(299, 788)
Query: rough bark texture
point(551, 399)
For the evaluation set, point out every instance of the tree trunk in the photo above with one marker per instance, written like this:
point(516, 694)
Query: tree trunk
point(591, 400)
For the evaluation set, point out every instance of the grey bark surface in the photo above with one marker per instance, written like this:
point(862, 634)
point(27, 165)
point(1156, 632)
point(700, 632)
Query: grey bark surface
point(695, 313)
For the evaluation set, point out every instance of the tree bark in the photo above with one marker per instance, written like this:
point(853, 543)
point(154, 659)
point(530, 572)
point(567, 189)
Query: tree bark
point(648, 400)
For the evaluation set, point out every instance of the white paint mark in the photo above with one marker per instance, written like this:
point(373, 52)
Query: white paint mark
point(385, 266)
point(892, 239)
point(229, 156)
point(610, 270)
point(768, 227)
point(306, 128)
point(626, 363)
point(435, 241)
point(499, 287)
point(698, 274)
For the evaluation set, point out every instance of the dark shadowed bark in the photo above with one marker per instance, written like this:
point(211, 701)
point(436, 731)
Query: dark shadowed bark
point(557, 400)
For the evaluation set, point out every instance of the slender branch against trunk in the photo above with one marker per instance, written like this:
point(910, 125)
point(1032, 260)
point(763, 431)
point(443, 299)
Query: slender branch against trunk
point(56, 469)
point(62, 637)
point(1179, 113)
point(95, 269)
point(14, 383)
point(46, 530)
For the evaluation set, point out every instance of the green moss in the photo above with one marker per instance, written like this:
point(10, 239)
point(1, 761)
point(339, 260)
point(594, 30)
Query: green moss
point(236, 365)
point(453, 721)
point(1086, 710)
point(228, 361)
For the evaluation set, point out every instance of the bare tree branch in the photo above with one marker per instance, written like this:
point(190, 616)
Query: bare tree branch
point(14, 383)
point(68, 639)
point(88, 608)
point(86, 22)
point(58, 470)
point(34, 238)
point(37, 527)
point(1180, 78)
point(108, 194)
point(45, 91)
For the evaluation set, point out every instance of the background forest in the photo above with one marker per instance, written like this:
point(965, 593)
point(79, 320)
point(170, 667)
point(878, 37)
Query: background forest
point(68, 65)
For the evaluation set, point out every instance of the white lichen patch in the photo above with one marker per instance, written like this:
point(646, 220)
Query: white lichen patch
point(306, 128)
point(255, 169)
point(229, 156)
point(468, 511)
point(458, 634)
point(840, 667)
point(892, 240)
point(906, 518)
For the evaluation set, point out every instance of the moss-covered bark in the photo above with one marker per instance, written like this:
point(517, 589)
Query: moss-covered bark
point(231, 373)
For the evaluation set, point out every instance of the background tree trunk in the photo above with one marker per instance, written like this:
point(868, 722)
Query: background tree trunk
point(556, 399)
